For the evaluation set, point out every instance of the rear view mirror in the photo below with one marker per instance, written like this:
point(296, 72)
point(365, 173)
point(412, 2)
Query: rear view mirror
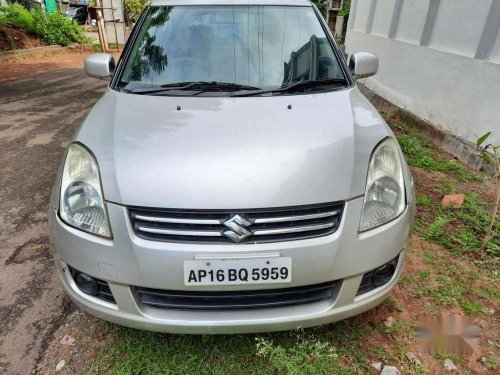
point(363, 64)
point(100, 65)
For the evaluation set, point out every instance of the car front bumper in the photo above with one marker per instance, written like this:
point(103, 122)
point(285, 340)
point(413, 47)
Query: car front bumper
point(127, 262)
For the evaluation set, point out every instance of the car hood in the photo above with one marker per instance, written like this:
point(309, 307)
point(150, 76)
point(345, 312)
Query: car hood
point(232, 153)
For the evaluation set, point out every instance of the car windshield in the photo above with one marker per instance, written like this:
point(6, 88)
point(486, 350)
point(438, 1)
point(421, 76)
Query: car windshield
point(255, 47)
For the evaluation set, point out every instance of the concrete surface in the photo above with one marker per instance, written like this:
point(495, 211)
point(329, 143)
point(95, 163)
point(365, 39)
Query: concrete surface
point(439, 59)
point(37, 119)
point(456, 146)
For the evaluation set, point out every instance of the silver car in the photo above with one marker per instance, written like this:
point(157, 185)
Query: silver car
point(232, 178)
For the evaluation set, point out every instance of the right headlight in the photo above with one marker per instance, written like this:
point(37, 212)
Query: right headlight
point(81, 201)
point(385, 190)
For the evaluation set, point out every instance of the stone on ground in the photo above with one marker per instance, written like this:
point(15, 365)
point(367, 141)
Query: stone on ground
point(60, 365)
point(390, 370)
point(454, 200)
point(389, 322)
point(449, 365)
point(376, 368)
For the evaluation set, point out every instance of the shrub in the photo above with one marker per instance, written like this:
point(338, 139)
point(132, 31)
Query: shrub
point(16, 15)
point(51, 28)
point(419, 154)
point(134, 8)
point(322, 5)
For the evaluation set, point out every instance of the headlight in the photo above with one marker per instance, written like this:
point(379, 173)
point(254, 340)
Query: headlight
point(385, 190)
point(81, 201)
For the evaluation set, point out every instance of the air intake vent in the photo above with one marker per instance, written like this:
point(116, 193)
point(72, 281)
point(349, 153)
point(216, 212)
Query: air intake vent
point(93, 287)
point(238, 226)
point(237, 300)
point(378, 277)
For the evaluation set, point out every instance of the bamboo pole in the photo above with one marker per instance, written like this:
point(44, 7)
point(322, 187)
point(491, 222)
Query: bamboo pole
point(114, 26)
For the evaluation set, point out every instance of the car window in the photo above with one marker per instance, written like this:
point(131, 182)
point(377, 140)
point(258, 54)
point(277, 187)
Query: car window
point(258, 46)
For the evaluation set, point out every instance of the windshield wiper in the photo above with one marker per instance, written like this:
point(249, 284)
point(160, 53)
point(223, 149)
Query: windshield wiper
point(223, 86)
point(305, 84)
point(195, 86)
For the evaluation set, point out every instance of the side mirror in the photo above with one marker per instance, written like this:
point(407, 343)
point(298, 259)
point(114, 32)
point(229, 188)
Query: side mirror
point(363, 64)
point(100, 65)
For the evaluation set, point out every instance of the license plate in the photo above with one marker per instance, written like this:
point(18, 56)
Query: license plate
point(238, 271)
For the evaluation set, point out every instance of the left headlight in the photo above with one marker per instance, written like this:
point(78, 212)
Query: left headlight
point(385, 190)
point(81, 200)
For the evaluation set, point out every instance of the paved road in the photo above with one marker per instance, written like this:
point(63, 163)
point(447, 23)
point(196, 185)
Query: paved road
point(37, 119)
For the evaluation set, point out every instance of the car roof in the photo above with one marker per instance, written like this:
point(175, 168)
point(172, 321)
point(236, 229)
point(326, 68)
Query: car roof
point(231, 2)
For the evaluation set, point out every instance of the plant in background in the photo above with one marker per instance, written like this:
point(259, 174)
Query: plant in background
point(346, 8)
point(134, 8)
point(16, 15)
point(321, 4)
point(28, 4)
point(489, 154)
point(51, 28)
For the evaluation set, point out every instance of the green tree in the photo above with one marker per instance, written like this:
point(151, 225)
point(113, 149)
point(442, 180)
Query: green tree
point(321, 4)
point(134, 8)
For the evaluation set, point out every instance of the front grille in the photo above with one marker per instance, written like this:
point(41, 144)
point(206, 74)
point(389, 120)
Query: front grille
point(241, 226)
point(237, 300)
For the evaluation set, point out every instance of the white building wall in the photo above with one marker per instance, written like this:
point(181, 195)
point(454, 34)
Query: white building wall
point(439, 59)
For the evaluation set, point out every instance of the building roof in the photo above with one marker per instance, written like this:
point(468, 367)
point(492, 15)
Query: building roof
point(232, 2)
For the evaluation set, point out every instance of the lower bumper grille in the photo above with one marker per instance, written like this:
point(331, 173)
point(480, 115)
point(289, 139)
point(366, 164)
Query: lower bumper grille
point(240, 226)
point(378, 277)
point(90, 285)
point(238, 300)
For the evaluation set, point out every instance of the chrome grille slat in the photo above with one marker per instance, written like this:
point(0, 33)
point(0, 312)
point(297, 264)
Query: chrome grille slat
point(266, 232)
point(236, 226)
point(294, 218)
point(180, 232)
point(174, 220)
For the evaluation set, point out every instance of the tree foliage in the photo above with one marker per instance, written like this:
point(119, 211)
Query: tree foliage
point(134, 8)
point(51, 28)
point(322, 5)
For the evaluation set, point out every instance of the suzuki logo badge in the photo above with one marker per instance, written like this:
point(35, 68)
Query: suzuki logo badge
point(238, 231)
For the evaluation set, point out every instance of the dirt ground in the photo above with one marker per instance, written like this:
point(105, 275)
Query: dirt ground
point(16, 69)
point(13, 37)
point(39, 112)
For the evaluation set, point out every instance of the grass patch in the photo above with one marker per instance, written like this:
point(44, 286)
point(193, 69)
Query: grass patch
point(460, 230)
point(306, 355)
point(392, 303)
point(419, 154)
point(491, 364)
point(398, 326)
point(325, 350)
point(423, 200)
point(446, 284)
